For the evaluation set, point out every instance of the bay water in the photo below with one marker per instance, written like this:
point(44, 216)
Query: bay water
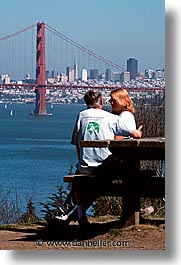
point(35, 151)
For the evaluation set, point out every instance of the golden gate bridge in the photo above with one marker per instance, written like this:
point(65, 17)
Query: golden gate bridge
point(19, 52)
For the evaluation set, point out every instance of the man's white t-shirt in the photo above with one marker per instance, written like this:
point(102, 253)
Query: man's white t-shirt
point(96, 124)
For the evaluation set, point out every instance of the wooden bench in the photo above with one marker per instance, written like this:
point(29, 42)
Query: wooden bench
point(148, 185)
point(136, 183)
point(145, 185)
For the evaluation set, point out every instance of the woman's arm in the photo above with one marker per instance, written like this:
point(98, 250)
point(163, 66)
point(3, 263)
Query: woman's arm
point(118, 137)
point(137, 133)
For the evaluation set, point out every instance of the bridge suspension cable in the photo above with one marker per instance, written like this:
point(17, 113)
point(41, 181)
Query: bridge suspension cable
point(18, 32)
point(82, 48)
point(17, 54)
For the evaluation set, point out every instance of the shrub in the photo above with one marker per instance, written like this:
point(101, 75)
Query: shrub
point(9, 208)
point(55, 200)
point(106, 205)
point(29, 216)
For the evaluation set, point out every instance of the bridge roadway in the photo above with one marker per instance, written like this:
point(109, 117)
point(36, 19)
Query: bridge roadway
point(78, 86)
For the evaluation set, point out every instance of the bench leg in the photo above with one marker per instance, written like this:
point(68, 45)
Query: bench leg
point(131, 198)
point(130, 213)
point(137, 218)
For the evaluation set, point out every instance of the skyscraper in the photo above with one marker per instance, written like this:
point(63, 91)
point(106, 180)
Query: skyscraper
point(125, 77)
point(76, 72)
point(84, 75)
point(132, 67)
point(94, 74)
point(109, 74)
point(70, 74)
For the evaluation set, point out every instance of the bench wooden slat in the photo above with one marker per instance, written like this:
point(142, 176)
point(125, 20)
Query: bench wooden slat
point(143, 173)
point(97, 143)
point(70, 178)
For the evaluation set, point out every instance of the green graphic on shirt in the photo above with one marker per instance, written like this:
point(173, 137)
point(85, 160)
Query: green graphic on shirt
point(92, 126)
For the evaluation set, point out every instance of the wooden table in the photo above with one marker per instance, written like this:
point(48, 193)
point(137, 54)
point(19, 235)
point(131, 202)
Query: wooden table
point(132, 151)
point(142, 149)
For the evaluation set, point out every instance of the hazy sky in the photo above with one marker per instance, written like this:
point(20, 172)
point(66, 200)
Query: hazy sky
point(116, 29)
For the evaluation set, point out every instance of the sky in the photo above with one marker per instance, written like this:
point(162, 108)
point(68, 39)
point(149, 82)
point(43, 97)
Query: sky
point(116, 30)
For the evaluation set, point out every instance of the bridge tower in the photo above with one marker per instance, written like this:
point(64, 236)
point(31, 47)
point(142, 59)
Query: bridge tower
point(40, 91)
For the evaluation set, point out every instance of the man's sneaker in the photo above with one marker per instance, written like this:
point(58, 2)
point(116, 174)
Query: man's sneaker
point(60, 214)
point(62, 217)
point(72, 215)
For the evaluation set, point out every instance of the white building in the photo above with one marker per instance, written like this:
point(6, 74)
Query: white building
point(70, 74)
point(84, 75)
point(149, 73)
point(5, 79)
point(63, 78)
point(160, 73)
point(126, 76)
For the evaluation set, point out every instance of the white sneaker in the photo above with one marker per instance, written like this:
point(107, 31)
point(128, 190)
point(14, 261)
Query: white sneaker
point(62, 217)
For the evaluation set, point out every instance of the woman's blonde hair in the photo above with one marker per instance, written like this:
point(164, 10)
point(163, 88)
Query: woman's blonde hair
point(123, 99)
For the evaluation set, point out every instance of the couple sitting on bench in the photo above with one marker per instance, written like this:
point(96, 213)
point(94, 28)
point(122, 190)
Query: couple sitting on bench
point(96, 124)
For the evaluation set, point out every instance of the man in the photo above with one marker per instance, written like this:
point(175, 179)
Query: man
point(96, 124)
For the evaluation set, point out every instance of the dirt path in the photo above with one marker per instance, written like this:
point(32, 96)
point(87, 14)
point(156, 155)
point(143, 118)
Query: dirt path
point(100, 236)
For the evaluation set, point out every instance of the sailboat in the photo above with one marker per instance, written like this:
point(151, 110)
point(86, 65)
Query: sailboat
point(11, 113)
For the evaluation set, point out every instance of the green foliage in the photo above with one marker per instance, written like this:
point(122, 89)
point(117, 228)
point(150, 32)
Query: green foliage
point(29, 216)
point(114, 232)
point(9, 208)
point(55, 200)
point(151, 114)
point(106, 205)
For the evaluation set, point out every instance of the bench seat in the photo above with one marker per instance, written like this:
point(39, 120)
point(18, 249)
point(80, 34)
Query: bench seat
point(146, 185)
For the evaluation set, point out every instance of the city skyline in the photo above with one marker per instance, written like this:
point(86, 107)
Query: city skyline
point(74, 73)
point(116, 30)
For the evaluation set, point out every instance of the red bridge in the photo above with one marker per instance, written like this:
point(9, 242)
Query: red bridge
point(17, 56)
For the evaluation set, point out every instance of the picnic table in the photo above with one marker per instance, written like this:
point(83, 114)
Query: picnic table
point(137, 182)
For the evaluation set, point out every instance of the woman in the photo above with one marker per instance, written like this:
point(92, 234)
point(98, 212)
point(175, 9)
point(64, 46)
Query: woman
point(122, 105)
